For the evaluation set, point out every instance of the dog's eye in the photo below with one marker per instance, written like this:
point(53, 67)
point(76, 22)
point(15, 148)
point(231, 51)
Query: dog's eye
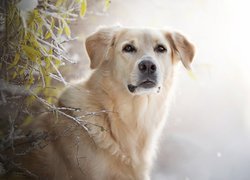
point(160, 48)
point(129, 48)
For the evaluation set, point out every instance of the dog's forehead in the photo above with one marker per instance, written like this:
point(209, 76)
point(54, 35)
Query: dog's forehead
point(141, 35)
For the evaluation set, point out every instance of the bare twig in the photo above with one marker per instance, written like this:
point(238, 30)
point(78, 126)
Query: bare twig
point(55, 15)
point(53, 76)
point(54, 108)
point(3, 97)
point(58, 72)
point(42, 77)
point(69, 108)
point(11, 132)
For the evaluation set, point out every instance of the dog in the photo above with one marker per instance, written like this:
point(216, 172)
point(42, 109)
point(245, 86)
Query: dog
point(122, 107)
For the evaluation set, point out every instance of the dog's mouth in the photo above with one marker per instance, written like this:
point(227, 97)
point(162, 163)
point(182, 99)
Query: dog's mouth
point(147, 84)
point(144, 84)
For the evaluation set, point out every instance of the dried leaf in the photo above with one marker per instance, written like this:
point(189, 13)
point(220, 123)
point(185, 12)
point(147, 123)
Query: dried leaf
point(27, 120)
point(27, 36)
point(47, 35)
point(15, 61)
point(83, 8)
point(59, 32)
point(107, 4)
point(22, 70)
point(34, 42)
point(66, 28)
point(31, 53)
point(37, 90)
point(14, 75)
point(50, 100)
point(59, 2)
point(31, 80)
point(51, 51)
point(47, 63)
point(47, 80)
point(52, 23)
point(29, 100)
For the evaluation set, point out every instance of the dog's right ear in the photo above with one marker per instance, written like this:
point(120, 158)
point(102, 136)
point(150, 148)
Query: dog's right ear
point(181, 48)
point(99, 44)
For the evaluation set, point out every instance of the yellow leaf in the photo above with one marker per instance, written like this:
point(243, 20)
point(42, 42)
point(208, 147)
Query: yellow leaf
point(52, 24)
point(31, 53)
point(15, 61)
point(51, 51)
point(47, 63)
point(59, 2)
point(31, 18)
point(21, 72)
point(14, 75)
point(47, 35)
point(59, 32)
point(35, 43)
point(50, 100)
point(57, 62)
point(107, 4)
point(27, 36)
point(83, 8)
point(31, 80)
point(47, 80)
point(37, 90)
point(29, 100)
point(1, 65)
point(40, 31)
point(36, 13)
point(27, 120)
point(66, 28)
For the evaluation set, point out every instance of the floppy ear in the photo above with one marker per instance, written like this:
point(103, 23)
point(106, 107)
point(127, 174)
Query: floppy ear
point(182, 48)
point(98, 45)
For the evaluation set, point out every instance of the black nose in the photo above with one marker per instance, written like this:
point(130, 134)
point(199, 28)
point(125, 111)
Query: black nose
point(147, 67)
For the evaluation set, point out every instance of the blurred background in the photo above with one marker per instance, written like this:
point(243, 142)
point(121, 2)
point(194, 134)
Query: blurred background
point(207, 135)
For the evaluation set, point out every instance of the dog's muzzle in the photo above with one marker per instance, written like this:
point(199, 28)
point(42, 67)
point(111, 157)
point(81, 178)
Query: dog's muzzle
point(147, 75)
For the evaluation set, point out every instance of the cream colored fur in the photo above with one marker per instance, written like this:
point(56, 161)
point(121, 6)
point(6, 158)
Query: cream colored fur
point(121, 140)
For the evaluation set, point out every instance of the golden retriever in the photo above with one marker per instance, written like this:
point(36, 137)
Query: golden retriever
point(122, 107)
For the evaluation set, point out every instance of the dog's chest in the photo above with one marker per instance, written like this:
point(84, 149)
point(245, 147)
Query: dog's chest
point(145, 112)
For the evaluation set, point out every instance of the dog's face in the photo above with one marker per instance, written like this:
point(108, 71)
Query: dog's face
point(139, 59)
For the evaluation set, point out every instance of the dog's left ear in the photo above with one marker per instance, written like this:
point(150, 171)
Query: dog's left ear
point(98, 45)
point(182, 49)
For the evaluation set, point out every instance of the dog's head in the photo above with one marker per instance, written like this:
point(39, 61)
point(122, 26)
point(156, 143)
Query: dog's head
point(139, 59)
